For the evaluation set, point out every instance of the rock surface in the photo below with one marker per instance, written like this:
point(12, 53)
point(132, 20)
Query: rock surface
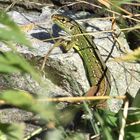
point(64, 70)
point(64, 73)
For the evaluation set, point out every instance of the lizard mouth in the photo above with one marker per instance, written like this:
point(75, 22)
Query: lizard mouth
point(57, 17)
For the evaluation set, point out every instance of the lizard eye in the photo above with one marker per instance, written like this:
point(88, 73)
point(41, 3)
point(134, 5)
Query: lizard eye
point(63, 20)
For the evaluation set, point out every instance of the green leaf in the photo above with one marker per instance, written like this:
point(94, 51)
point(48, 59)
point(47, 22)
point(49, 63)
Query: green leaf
point(24, 100)
point(133, 116)
point(12, 62)
point(133, 136)
point(130, 57)
point(56, 134)
point(7, 68)
point(108, 122)
point(76, 136)
point(10, 31)
point(132, 128)
point(136, 101)
point(11, 131)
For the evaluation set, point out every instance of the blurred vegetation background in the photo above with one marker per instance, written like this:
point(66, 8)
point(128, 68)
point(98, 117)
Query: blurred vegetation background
point(58, 124)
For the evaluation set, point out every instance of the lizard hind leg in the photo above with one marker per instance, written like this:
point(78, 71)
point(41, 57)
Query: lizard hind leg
point(92, 91)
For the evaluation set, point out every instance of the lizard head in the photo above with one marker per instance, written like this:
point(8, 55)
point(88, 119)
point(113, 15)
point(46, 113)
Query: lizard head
point(65, 23)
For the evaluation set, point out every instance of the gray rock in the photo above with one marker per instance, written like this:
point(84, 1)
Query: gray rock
point(65, 74)
point(6, 115)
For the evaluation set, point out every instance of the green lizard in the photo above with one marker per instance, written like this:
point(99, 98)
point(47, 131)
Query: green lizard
point(97, 72)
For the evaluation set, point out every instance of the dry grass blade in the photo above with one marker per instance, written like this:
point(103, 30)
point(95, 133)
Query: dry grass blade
point(11, 5)
point(133, 56)
point(49, 52)
point(125, 113)
point(77, 99)
point(105, 2)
